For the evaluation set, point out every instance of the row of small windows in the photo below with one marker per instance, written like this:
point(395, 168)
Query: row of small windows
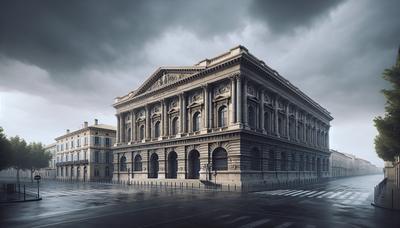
point(287, 162)
point(78, 157)
point(174, 128)
point(71, 144)
point(70, 172)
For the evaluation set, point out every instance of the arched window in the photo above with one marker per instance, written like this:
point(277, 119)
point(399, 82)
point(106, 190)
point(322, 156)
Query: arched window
point(284, 159)
point(157, 129)
point(267, 120)
point(301, 163)
point(280, 125)
point(141, 132)
point(122, 164)
point(138, 163)
point(220, 159)
point(271, 161)
point(293, 162)
point(292, 128)
point(255, 160)
point(252, 117)
point(196, 121)
point(174, 127)
point(222, 117)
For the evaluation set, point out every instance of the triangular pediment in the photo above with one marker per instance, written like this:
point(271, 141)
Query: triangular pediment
point(165, 76)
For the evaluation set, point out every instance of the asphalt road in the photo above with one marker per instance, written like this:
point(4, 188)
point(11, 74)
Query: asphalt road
point(338, 203)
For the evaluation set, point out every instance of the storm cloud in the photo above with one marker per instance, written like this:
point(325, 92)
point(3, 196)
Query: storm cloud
point(63, 62)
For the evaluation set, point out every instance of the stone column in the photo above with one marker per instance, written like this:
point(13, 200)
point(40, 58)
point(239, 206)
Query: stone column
point(185, 122)
point(133, 133)
point(287, 122)
point(245, 111)
point(232, 117)
point(165, 114)
point(162, 118)
point(239, 104)
point(296, 126)
point(180, 112)
point(147, 122)
point(118, 128)
point(122, 128)
point(206, 119)
point(276, 125)
point(262, 120)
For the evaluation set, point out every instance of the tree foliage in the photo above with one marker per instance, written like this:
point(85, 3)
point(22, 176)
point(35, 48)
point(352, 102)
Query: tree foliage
point(16, 153)
point(387, 143)
point(5, 152)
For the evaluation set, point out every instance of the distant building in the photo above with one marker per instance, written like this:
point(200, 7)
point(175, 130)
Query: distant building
point(230, 120)
point(50, 171)
point(343, 164)
point(86, 154)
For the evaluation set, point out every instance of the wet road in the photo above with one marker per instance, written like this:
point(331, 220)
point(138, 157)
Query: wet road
point(337, 203)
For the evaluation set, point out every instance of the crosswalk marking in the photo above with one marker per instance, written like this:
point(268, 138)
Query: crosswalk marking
point(295, 192)
point(334, 195)
point(284, 225)
point(345, 195)
point(312, 192)
point(318, 193)
point(256, 223)
point(341, 196)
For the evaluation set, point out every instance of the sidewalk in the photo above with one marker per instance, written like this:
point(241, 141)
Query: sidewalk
point(388, 197)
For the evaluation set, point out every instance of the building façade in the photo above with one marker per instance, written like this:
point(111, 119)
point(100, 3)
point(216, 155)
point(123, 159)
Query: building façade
point(229, 120)
point(86, 154)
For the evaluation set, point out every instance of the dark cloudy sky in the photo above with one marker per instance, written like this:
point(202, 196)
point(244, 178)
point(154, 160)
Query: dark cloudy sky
point(63, 62)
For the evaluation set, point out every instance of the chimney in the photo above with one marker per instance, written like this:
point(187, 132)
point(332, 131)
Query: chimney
point(96, 122)
point(85, 124)
point(67, 131)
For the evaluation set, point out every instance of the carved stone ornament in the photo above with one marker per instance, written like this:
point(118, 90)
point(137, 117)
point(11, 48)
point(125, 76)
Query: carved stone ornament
point(166, 78)
point(267, 99)
point(251, 90)
point(221, 89)
point(156, 109)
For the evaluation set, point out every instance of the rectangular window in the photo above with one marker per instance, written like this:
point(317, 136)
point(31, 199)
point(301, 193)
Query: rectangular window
point(78, 142)
point(66, 146)
point(97, 156)
point(107, 157)
point(85, 141)
point(72, 144)
point(96, 140)
point(108, 143)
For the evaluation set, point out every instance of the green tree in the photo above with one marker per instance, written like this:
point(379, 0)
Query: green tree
point(387, 142)
point(38, 157)
point(5, 151)
point(20, 154)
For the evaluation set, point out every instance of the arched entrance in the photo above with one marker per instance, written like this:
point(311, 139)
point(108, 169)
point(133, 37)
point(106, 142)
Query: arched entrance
point(84, 173)
point(193, 165)
point(172, 165)
point(78, 172)
point(319, 167)
point(153, 170)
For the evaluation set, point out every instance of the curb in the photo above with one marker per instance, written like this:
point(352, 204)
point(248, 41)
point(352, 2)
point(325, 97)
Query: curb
point(20, 201)
point(386, 208)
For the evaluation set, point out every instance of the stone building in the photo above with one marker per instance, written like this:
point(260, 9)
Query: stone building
point(86, 154)
point(229, 120)
point(50, 171)
point(343, 164)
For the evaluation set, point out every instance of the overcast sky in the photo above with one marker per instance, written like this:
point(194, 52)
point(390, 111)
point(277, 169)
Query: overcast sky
point(64, 62)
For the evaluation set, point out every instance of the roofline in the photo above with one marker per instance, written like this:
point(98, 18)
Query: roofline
point(84, 129)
